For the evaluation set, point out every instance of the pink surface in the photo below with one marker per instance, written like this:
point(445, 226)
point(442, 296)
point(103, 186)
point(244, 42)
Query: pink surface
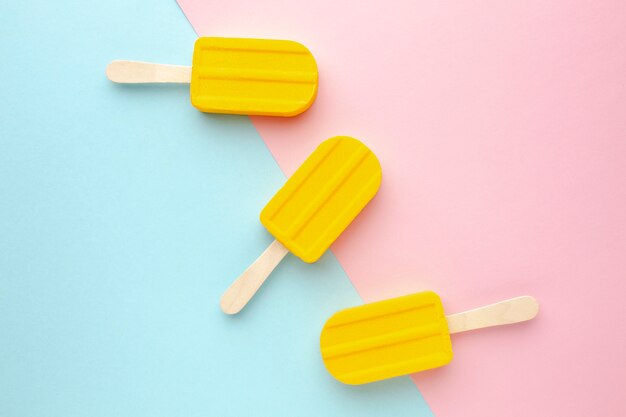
point(501, 128)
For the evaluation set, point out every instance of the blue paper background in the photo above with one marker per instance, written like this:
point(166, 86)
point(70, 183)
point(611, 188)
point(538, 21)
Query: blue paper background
point(124, 214)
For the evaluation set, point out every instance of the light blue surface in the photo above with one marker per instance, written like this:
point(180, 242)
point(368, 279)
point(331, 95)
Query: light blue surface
point(124, 214)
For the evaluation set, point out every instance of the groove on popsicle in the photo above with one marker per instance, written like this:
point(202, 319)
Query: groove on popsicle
point(239, 74)
point(343, 319)
point(406, 335)
point(231, 47)
point(243, 101)
point(326, 193)
point(348, 208)
point(385, 308)
point(291, 191)
point(392, 369)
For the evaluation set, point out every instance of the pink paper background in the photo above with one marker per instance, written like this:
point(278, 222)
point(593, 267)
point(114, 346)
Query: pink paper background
point(501, 129)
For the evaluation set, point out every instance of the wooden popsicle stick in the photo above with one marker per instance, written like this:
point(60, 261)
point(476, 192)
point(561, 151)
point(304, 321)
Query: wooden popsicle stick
point(241, 291)
point(135, 72)
point(510, 311)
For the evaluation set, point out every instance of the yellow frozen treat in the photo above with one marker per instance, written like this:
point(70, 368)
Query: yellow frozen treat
point(405, 335)
point(386, 339)
point(311, 210)
point(322, 197)
point(237, 76)
point(252, 76)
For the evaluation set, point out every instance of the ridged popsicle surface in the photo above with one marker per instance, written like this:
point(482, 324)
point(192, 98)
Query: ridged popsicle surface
point(386, 339)
point(323, 197)
point(252, 76)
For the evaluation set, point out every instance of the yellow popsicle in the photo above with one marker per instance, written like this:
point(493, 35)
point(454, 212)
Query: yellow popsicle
point(322, 197)
point(252, 76)
point(405, 335)
point(237, 76)
point(311, 210)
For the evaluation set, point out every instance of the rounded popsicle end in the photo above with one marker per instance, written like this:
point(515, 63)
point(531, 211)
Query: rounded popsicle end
point(229, 308)
point(327, 354)
point(115, 71)
point(531, 306)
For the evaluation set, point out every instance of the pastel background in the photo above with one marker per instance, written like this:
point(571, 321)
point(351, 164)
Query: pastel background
point(501, 129)
point(124, 215)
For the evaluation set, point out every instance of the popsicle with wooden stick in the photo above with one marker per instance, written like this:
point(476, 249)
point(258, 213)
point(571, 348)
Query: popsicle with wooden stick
point(235, 75)
point(311, 210)
point(405, 335)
